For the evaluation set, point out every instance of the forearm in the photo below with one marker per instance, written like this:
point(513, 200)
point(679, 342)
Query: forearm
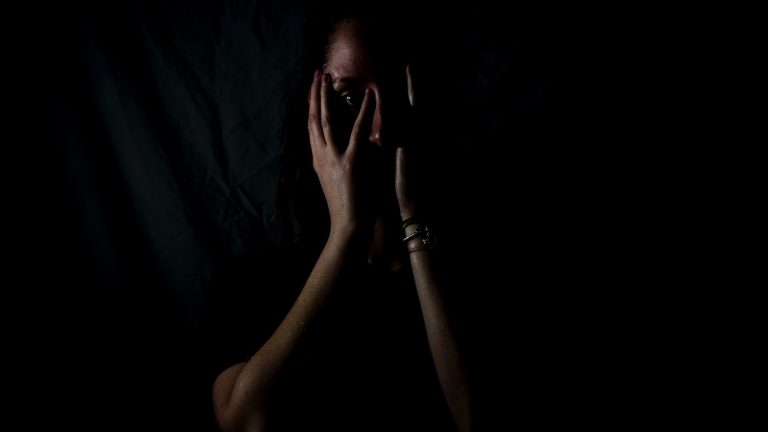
point(442, 342)
point(250, 385)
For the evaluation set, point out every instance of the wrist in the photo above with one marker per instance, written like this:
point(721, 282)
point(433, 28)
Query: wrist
point(413, 227)
point(407, 212)
point(418, 236)
point(344, 231)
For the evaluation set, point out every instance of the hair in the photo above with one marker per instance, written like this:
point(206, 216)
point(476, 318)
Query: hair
point(299, 193)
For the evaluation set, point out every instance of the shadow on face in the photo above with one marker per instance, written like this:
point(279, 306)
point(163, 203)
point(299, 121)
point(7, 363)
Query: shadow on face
point(360, 57)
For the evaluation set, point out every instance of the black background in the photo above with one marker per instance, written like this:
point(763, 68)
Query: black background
point(165, 122)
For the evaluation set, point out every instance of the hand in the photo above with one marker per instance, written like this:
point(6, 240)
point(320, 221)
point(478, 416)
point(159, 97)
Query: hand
point(337, 171)
point(404, 194)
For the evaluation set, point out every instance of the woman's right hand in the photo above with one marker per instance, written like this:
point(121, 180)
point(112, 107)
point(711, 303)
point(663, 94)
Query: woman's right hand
point(338, 171)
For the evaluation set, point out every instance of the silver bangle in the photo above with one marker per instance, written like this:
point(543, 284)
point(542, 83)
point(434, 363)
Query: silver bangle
point(427, 240)
point(414, 234)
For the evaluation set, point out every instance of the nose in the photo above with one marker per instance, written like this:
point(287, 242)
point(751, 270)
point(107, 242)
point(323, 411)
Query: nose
point(376, 125)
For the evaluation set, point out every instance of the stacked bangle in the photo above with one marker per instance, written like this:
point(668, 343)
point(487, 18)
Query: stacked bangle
point(409, 221)
point(427, 239)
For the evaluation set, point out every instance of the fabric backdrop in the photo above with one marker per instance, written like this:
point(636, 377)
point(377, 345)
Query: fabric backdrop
point(163, 179)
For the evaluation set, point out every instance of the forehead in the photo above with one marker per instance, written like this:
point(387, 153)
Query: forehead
point(348, 50)
point(361, 49)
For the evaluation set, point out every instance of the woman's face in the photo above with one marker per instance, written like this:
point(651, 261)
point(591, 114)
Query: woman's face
point(357, 59)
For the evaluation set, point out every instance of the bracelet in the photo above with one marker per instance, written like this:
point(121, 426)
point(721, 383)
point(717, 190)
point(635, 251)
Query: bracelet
point(407, 222)
point(427, 238)
point(413, 235)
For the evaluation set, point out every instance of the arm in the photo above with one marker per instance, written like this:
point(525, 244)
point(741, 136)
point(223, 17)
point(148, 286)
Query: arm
point(240, 393)
point(442, 343)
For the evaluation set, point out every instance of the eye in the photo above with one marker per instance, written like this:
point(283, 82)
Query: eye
point(352, 99)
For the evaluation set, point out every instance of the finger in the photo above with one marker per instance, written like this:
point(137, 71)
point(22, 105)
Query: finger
point(315, 130)
point(325, 113)
point(409, 79)
point(363, 119)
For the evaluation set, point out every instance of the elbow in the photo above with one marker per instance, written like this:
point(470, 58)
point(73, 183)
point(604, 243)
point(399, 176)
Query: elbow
point(235, 411)
point(231, 418)
point(227, 416)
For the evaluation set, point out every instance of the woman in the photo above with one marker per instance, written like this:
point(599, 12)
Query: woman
point(347, 353)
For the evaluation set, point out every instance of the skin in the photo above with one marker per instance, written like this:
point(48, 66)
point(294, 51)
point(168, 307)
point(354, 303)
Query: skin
point(241, 392)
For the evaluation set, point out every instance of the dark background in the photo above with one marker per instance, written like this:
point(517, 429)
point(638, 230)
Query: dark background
point(157, 199)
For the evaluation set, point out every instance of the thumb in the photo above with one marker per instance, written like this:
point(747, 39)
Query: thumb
point(400, 172)
point(399, 163)
point(409, 79)
point(404, 198)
